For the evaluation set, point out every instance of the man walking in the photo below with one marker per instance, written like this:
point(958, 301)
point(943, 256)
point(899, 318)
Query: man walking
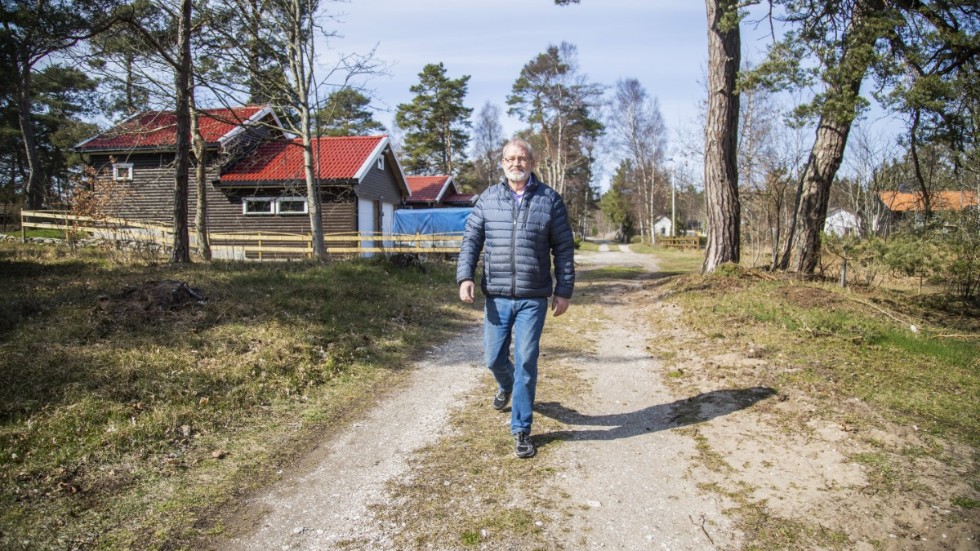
point(519, 224)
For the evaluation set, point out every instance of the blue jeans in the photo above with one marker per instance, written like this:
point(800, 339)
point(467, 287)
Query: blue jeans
point(521, 319)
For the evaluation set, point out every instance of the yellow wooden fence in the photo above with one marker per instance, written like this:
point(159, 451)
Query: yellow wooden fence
point(682, 242)
point(244, 245)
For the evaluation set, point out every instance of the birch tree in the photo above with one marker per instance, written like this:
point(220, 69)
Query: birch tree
point(488, 139)
point(638, 134)
point(275, 43)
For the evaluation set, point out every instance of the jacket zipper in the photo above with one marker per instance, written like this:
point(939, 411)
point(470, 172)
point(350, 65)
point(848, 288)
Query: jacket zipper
point(513, 246)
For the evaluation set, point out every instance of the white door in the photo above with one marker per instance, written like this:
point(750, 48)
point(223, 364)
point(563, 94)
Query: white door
point(366, 222)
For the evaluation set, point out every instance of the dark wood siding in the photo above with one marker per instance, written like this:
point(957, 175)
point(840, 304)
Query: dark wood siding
point(380, 184)
point(225, 213)
point(148, 196)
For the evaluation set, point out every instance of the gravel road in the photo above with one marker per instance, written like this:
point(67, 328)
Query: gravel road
point(619, 470)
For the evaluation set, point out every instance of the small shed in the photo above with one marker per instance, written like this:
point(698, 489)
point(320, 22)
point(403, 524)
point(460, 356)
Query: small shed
point(663, 226)
point(841, 222)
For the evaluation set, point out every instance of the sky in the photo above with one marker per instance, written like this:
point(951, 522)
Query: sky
point(661, 43)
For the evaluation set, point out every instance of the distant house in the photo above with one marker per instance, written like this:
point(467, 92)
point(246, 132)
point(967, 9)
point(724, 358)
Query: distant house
point(841, 222)
point(435, 192)
point(662, 226)
point(254, 172)
point(899, 202)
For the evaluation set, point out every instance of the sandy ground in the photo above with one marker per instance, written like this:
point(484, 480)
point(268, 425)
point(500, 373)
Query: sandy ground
point(624, 471)
point(627, 470)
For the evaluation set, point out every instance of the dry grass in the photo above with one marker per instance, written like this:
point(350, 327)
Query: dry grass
point(850, 358)
point(128, 418)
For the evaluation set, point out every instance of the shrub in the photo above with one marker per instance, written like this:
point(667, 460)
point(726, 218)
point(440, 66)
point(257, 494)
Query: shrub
point(947, 253)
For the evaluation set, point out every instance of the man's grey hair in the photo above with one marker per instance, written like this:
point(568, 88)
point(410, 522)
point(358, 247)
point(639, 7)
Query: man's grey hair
point(517, 142)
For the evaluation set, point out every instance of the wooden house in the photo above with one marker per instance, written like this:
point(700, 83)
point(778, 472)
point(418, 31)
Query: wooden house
point(255, 176)
point(911, 206)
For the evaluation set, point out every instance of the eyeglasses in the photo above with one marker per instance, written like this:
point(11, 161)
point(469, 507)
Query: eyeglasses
point(516, 160)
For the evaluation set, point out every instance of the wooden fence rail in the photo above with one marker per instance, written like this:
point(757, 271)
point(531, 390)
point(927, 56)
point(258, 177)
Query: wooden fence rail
point(683, 242)
point(244, 245)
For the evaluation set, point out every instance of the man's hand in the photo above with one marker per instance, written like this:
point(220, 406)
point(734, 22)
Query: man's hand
point(466, 291)
point(558, 305)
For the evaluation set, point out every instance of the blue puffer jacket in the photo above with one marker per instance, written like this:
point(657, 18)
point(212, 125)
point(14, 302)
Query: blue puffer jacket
point(518, 243)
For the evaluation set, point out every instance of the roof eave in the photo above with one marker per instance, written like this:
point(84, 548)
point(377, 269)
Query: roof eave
point(444, 189)
point(283, 182)
point(254, 119)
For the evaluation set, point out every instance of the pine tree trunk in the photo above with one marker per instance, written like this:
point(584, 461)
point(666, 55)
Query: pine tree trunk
point(35, 181)
point(181, 253)
point(721, 137)
point(813, 196)
point(201, 213)
point(802, 252)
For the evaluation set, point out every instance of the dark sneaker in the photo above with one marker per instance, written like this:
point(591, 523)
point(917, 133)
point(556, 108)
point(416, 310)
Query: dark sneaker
point(500, 400)
point(524, 448)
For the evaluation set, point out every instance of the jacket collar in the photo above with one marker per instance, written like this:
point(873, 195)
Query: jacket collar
point(532, 184)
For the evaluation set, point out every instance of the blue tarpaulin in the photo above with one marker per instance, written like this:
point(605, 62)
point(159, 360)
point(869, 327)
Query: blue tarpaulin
point(430, 221)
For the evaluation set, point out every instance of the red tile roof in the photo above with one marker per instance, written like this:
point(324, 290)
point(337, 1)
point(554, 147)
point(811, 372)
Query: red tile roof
point(457, 198)
point(897, 201)
point(341, 158)
point(158, 129)
point(426, 189)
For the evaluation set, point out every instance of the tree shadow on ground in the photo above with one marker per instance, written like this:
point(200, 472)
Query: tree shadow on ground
point(689, 411)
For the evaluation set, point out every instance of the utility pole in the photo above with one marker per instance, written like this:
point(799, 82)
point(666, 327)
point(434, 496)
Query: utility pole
point(673, 203)
point(673, 198)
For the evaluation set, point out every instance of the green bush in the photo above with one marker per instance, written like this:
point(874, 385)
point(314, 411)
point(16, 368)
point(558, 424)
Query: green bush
point(946, 252)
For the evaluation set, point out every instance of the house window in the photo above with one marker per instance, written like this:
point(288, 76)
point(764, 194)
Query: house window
point(258, 205)
point(122, 171)
point(381, 162)
point(268, 206)
point(291, 205)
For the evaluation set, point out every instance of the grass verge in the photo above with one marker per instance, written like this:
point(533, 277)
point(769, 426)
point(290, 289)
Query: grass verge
point(834, 343)
point(126, 419)
point(899, 374)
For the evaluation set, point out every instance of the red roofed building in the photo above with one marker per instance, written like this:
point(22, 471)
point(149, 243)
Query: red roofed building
point(156, 130)
point(897, 201)
point(436, 191)
point(255, 174)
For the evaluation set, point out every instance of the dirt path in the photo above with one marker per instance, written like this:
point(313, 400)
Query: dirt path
point(622, 477)
point(624, 462)
point(326, 501)
point(624, 471)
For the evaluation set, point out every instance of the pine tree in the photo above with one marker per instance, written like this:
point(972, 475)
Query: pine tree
point(346, 113)
point(435, 123)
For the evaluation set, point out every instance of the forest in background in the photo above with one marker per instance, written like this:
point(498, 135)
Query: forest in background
point(772, 147)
